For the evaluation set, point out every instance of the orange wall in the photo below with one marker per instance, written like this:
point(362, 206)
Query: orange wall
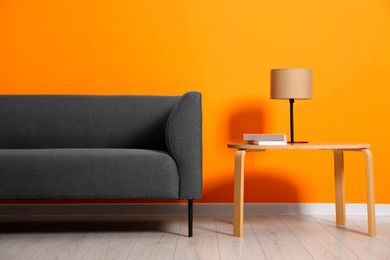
point(225, 49)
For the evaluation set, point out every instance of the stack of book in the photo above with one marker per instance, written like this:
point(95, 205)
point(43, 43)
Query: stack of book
point(266, 139)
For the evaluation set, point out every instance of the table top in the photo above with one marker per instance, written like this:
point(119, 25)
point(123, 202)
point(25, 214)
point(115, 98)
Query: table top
point(302, 146)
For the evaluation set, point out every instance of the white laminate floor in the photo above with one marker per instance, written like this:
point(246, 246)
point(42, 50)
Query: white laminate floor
point(165, 237)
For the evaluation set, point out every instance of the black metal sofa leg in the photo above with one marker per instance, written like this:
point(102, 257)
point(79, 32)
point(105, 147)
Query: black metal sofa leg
point(190, 216)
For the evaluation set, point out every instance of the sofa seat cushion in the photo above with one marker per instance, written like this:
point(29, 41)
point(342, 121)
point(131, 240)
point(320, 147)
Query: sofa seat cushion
point(87, 174)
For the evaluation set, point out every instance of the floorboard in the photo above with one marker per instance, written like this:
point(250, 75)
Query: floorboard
point(276, 238)
point(74, 241)
point(118, 238)
point(385, 219)
point(316, 239)
point(383, 230)
point(230, 247)
point(203, 244)
point(158, 237)
point(353, 235)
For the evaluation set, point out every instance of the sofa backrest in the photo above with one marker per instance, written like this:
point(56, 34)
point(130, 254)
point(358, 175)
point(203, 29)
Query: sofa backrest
point(77, 121)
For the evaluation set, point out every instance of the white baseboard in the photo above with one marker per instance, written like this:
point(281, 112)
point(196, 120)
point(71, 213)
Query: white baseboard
point(181, 208)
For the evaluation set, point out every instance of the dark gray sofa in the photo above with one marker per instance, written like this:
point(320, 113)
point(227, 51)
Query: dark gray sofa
point(101, 147)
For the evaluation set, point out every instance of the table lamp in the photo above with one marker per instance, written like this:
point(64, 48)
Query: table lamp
point(291, 84)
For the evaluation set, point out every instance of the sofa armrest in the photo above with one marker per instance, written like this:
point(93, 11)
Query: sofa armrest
point(184, 141)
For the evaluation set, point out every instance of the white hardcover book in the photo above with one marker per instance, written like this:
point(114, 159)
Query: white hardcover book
point(267, 142)
point(265, 137)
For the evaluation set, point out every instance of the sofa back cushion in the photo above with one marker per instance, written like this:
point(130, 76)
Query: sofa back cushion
point(77, 121)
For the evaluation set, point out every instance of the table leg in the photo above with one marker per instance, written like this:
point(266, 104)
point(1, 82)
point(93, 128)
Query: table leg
point(370, 192)
point(238, 193)
point(339, 186)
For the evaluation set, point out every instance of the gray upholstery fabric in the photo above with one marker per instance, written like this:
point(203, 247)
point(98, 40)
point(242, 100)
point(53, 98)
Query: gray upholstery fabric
point(87, 174)
point(84, 121)
point(81, 147)
point(184, 141)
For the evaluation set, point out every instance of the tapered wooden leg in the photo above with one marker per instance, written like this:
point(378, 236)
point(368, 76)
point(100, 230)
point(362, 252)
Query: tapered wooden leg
point(339, 186)
point(370, 192)
point(238, 193)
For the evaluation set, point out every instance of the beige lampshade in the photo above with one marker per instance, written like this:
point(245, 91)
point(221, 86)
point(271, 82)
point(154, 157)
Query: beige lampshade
point(291, 83)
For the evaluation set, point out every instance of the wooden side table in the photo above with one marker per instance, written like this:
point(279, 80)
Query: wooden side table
point(338, 151)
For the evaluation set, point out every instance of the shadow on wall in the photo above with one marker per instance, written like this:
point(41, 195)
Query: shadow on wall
point(246, 118)
point(387, 5)
point(259, 187)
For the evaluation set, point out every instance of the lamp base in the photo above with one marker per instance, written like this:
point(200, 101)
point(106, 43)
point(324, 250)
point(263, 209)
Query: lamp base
point(298, 142)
